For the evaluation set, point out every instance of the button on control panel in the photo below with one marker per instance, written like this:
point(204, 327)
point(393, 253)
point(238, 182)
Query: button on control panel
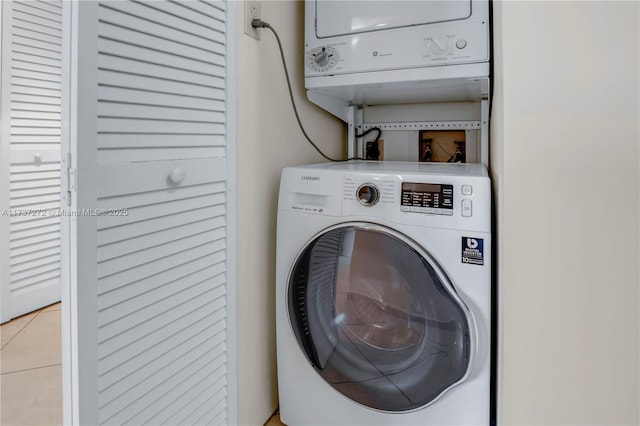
point(466, 208)
point(467, 190)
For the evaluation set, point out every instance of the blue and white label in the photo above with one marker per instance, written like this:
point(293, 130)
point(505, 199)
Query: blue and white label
point(473, 251)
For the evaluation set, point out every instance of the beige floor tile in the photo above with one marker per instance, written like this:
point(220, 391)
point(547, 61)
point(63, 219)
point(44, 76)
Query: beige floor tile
point(54, 307)
point(32, 397)
point(9, 329)
point(37, 345)
point(274, 421)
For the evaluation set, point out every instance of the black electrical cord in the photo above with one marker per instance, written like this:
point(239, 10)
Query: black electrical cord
point(257, 23)
point(366, 132)
point(372, 151)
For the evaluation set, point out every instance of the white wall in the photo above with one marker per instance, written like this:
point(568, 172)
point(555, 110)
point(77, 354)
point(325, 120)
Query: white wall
point(268, 140)
point(565, 164)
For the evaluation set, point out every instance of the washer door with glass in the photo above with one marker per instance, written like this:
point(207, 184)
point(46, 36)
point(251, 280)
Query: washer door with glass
point(377, 318)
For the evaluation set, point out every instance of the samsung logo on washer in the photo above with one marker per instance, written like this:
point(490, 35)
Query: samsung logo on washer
point(309, 177)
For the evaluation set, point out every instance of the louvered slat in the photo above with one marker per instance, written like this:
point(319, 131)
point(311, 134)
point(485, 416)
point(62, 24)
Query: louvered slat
point(149, 27)
point(38, 115)
point(158, 239)
point(120, 94)
point(139, 302)
point(146, 154)
point(153, 13)
point(149, 226)
point(34, 254)
point(176, 273)
point(18, 252)
point(191, 347)
point(37, 36)
point(166, 325)
point(34, 8)
point(181, 399)
point(152, 254)
point(133, 369)
point(120, 411)
point(36, 67)
point(150, 269)
point(34, 232)
point(35, 74)
point(36, 82)
point(130, 111)
point(45, 278)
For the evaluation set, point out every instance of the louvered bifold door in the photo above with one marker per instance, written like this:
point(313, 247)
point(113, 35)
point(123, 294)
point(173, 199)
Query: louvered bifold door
point(152, 170)
point(31, 63)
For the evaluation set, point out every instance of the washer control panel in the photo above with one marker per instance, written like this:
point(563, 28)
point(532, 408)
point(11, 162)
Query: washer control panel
point(431, 198)
point(413, 197)
point(438, 195)
point(406, 198)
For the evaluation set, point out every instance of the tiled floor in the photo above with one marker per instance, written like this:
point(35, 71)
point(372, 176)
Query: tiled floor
point(274, 420)
point(31, 370)
point(30, 363)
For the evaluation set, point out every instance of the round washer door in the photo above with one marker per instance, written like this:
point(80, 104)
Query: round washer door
point(377, 318)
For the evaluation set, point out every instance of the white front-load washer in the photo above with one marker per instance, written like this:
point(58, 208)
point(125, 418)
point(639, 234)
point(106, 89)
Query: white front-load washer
point(383, 294)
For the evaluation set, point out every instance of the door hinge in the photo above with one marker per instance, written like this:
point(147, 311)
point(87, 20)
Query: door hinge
point(70, 180)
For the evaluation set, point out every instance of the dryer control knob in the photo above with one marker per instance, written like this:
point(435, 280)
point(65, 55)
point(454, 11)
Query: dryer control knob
point(322, 59)
point(439, 45)
point(368, 194)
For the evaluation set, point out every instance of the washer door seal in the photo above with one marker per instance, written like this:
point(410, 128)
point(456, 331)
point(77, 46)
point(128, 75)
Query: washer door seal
point(378, 319)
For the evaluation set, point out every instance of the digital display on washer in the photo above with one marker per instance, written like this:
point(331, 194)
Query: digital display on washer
point(431, 198)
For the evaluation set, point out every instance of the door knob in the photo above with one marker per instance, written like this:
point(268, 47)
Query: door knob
point(177, 175)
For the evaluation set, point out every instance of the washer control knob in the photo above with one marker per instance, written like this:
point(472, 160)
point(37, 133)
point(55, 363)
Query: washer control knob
point(461, 43)
point(368, 194)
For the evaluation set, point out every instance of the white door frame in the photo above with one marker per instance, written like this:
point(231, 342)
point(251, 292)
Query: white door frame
point(78, 124)
point(232, 211)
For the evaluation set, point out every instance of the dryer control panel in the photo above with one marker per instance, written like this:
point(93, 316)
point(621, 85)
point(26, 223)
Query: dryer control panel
point(448, 43)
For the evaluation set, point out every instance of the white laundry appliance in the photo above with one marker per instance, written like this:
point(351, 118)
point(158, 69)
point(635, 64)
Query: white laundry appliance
point(383, 294)
point(346, 37)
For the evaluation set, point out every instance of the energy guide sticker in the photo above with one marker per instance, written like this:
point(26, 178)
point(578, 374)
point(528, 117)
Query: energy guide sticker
point(473, 251)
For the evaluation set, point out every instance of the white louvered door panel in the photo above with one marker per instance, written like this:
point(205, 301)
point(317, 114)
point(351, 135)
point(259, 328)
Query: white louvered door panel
point(32, 36)
point(152, 309)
